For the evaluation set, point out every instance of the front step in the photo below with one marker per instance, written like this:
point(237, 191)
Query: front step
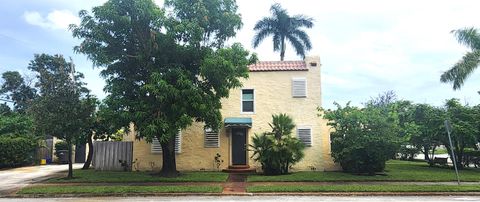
point(240, 169)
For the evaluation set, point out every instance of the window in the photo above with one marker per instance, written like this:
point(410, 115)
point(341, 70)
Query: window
point(299, 87)
point(212, 139)
point(247, 100)
point(305, 136)
point(157, 148)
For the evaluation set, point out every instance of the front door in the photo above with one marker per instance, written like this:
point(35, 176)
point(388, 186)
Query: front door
point(239, 146)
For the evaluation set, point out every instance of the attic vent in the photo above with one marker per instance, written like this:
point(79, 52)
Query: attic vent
point(299, 87)
point(313, 64)
point(305, 136)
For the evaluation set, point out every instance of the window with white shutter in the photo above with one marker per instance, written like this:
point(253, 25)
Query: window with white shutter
point(299, 87)
point(305, 136)
point(157, 148)
point(212, 139)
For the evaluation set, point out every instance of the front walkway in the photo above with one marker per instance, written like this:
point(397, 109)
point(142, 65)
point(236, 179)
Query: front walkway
point(236, 184)
point(13, 179)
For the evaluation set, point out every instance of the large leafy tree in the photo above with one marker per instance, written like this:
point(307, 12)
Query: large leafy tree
point(164, 71)
point(283, 27)
point(16, 89)
point(63, 107)
point(429, 121)
point(457, 75)
point(464, 120)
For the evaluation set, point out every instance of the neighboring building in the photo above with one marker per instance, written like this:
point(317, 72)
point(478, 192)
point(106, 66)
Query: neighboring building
point(291, 87)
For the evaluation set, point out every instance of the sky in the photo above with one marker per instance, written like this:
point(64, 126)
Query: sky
point(366, 47)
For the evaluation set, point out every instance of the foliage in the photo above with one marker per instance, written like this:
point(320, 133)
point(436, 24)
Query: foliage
point(277, 150)
point(430, 131)
point(284, 27)
point(16, 151)
point(362, 140)
point(18, 90)
point(15, 124)
point(464, 122)
point(63, 108)
point(469, 62)
point(164, 72)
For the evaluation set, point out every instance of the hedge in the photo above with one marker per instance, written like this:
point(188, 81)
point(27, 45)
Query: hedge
point(16, 151)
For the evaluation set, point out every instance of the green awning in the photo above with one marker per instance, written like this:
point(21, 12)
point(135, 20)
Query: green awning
point(238, 122)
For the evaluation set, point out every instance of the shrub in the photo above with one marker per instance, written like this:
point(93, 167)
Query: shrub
point(16, 151)
point(362, 139)
point(277, 150)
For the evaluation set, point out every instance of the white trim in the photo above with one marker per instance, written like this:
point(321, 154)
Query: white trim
point(306, 87)
point(311, 134)
point(241, 101)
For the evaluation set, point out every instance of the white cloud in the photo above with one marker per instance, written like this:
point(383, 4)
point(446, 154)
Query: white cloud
point(57, 19)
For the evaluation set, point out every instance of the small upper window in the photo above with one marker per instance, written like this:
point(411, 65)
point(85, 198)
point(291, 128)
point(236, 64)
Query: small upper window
point(247, 100)
point(299, 87)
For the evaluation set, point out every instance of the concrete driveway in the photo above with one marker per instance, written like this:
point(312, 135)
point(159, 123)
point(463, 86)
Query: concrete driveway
point(16, 178)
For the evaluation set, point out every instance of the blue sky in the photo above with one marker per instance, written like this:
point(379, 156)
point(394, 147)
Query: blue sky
point(366, 47)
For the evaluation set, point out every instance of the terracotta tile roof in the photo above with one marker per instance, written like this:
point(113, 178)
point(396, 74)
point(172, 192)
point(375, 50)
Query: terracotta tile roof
point(263, 66)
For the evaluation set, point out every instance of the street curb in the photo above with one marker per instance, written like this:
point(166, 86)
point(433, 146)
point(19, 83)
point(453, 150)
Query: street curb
point(248, 194)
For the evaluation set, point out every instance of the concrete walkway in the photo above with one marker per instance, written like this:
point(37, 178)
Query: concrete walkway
point(13, 179)
point(236, 184)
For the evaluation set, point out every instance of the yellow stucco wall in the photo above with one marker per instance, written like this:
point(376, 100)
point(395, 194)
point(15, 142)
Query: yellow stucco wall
point(273, 95)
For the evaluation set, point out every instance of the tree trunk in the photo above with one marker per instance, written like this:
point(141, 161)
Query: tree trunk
point(90, 152)
point(70, 167)
point(169, 166)
point(425, 153)
point(282, 49)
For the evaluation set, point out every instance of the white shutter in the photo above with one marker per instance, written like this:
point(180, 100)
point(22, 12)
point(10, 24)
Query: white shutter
point(212, 139)
point(299, 87)
point(157, 148)
point(305, 136)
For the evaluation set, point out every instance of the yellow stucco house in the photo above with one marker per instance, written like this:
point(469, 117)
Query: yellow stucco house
point(291, 87)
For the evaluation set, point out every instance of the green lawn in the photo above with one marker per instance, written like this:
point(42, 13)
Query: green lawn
point(364, 188)
point(111, 176)
point(118, 189)
point(395, 171)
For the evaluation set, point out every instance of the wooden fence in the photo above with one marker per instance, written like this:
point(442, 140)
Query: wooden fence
point(107, 156)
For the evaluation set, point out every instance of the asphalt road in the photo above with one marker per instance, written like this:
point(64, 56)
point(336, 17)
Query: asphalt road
point(13, 179)
point(264, 198)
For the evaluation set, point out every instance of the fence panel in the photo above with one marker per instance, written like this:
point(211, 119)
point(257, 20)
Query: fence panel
point(107, 155)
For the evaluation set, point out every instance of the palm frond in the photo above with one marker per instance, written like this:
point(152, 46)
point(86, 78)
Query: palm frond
point(468, 37)
point(300, 34)
point(299, 46)
point(277, 10)
point(302, 21)
point(265, 23)
point(260, 36)
point(462, 69)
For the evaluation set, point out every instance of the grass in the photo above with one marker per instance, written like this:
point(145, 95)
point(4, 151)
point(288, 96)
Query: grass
point(92, 176)
point(365, 188)
point(395, 171)
point(118, 189)
point(440, 151)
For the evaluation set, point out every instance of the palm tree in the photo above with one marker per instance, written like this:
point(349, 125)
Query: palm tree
point(282, 26)
point(457, 75)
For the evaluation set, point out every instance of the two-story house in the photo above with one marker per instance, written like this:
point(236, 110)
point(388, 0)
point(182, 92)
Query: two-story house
point(291, 87)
